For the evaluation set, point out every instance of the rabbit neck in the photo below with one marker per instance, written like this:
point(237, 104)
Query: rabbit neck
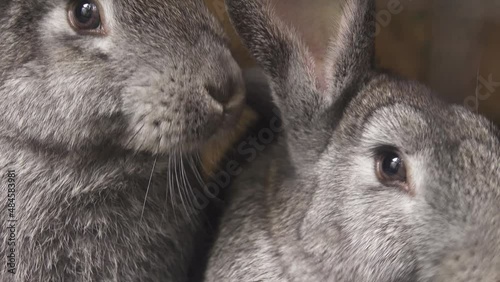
point(90, 214)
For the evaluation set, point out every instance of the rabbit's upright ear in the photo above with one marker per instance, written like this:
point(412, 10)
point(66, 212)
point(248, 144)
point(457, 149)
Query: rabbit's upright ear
point(300, 88)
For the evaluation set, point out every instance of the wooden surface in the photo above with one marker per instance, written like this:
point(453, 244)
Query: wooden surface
point(451, 45)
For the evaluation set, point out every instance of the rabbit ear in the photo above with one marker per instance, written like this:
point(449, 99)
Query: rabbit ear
point(283, 57)
point(299, 89)
point(351, 53)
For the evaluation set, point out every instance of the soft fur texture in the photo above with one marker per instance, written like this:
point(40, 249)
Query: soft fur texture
point(87, 122)
point(312, 209)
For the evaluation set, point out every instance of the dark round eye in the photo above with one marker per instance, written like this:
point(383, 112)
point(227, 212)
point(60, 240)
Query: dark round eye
point(390, 168)
point(84, 16)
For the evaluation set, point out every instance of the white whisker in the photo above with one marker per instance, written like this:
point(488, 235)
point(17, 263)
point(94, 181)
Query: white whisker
point(135, 135)
point(171, 185)
point(197, 174)
point(150, 180)
point(178, 186)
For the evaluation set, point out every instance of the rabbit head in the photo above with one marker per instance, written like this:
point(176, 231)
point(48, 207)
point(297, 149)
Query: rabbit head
point(147, 75)
point(383, 181)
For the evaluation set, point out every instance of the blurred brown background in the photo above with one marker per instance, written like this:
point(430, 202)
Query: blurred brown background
point(451, 45)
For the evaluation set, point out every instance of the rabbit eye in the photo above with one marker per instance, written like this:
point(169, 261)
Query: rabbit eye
point(84, 16)
point(390, 168)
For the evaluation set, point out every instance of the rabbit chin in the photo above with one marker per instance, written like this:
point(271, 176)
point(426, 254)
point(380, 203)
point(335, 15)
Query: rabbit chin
point(154, 135)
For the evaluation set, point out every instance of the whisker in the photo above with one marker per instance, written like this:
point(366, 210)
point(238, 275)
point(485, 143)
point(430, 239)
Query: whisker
point(196, 171)
point(185, 182)
point(202, 183)
point(171, 186)
point(197, 176)
point(188, 191)
point(178, 186)
point(150, 180)
point(140, 146)
point(135, 135)
point(200, 162)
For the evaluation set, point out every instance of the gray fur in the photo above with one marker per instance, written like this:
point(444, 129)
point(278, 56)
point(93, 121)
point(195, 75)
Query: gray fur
point(85, 118)
point(312, 209)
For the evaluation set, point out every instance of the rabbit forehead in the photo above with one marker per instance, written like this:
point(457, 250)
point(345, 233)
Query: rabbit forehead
point(397, 125)
point(393, 111)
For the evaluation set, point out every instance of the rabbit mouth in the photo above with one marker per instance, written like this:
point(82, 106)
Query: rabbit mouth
point(232, 112)
point(158, 132)
point(218, 128)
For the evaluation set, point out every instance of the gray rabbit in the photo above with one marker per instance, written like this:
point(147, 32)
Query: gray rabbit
point(105, 106)
point(371, 179)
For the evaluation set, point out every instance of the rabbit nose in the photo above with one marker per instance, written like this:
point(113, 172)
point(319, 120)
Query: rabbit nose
point(222, 92)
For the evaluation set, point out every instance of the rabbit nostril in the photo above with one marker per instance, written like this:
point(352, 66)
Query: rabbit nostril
point(221, 94)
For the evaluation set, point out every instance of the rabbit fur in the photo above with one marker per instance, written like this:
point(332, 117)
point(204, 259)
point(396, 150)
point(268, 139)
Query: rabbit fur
point(311, 207)
point(101, 132)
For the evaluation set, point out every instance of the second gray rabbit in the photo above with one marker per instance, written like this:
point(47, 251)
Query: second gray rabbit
point(373, 178)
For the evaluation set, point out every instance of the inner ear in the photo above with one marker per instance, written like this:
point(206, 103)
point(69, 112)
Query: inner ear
point(315, 23)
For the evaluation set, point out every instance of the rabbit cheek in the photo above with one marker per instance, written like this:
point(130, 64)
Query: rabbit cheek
point(476, 262)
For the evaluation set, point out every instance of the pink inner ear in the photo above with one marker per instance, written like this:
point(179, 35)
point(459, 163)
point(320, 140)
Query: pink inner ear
point(312, 21)
point(320, 73)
